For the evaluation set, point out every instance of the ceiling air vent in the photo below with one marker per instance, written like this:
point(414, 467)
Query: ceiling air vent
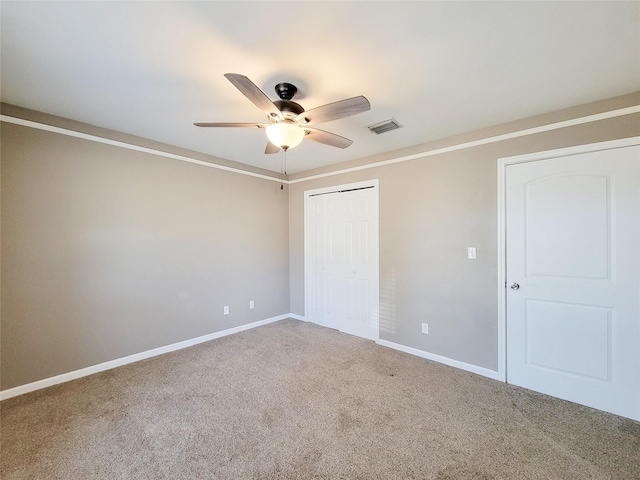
point(385, 126)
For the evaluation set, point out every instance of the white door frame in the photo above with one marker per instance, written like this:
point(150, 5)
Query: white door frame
point(502, 204)
point(374, 184)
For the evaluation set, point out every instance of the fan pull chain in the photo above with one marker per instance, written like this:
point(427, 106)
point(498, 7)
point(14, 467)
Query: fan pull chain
point(284, 167)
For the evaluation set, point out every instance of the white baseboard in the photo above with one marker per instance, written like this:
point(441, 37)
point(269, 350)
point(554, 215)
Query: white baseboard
point(295, 316)
point(485, 372)
point(118, 362)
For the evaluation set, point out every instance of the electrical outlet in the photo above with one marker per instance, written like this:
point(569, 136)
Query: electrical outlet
point(425, 328)
point(252, 304)
point(226, 309)
point(471, 253)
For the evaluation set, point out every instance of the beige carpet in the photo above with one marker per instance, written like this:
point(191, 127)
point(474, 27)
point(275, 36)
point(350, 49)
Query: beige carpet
point(292, 400)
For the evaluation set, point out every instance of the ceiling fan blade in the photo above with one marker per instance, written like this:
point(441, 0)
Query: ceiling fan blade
point(335, 110)
point(253, 93)
point(271, 148)
point(230, 124)
point(327, 138)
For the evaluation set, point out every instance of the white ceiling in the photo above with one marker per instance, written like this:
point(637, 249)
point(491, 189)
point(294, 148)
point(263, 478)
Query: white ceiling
point(440, 68)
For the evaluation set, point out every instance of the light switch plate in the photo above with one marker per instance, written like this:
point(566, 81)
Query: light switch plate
point(471, 253)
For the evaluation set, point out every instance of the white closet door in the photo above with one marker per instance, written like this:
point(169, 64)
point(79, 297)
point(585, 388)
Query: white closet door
point(342, 260)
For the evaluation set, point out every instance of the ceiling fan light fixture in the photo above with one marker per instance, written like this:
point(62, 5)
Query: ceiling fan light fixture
point(285, 135)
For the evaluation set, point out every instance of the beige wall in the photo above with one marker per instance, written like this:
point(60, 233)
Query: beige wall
point(431, 210)
point(107, 252)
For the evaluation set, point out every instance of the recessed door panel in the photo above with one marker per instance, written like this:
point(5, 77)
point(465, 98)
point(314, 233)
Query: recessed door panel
point(567, 220)
point(573, 340)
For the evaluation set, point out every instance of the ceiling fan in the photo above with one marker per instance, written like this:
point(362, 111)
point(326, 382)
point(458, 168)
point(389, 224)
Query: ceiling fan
point(288, 123)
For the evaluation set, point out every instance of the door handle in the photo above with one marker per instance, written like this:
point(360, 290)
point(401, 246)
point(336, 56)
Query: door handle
point(514, 286)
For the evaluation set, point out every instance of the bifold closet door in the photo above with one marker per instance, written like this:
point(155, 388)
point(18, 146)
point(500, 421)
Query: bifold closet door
point(342, 255)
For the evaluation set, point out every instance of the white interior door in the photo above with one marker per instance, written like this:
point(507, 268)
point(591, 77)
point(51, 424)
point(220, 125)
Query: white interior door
point(342, 259)
point(573, 248)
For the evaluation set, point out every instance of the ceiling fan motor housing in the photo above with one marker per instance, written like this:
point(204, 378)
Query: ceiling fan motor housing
point(287, 106)
point(286, 91)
